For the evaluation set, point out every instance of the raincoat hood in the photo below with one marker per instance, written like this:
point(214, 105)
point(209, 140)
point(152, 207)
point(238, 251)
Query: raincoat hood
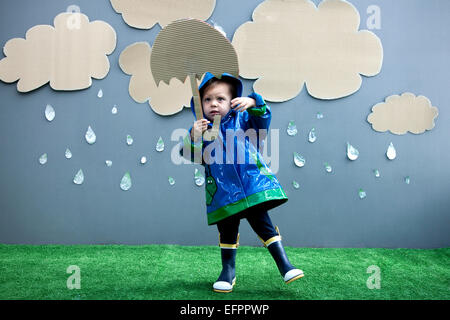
point(208, 76)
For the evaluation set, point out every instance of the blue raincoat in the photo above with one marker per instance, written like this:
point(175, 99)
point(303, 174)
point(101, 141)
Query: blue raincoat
point(236, 175)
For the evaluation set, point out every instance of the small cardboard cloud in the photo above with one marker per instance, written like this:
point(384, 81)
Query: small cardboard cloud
point(68, 55)
point(163, 99)
point(400, 114)
point(292, 42)
point(145, 14)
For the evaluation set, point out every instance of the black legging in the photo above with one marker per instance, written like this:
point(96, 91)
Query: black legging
point(258, 219)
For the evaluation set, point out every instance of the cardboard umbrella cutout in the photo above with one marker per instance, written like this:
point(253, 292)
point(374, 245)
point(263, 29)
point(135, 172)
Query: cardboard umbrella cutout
point(190, 48)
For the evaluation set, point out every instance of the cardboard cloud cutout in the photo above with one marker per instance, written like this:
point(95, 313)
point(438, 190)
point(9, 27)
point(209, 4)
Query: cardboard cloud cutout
point(145, 14)
point(400, 114)
point(163, 99)
point(292, 42)
point(68, 55)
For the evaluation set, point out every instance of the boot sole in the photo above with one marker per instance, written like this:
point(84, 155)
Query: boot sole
point(226, 291)
point(295, 278)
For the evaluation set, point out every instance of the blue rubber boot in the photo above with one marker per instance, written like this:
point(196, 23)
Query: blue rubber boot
point(287, 270)
point(276, 249)
point(227, 277)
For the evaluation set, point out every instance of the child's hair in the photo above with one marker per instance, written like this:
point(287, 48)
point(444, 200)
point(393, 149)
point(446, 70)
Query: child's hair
point(231, 84)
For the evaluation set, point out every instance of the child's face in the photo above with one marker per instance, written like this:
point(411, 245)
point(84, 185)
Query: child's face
point(216, 100)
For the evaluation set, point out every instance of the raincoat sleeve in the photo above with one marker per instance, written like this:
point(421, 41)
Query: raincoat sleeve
point(192, 151)
point(259, 116)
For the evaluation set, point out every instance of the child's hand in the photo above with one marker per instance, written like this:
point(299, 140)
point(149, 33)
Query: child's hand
point(198, 128)
point(242, 103)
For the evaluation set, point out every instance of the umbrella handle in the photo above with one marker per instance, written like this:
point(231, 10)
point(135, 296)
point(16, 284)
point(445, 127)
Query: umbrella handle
point(211, 134)
point(196, 97)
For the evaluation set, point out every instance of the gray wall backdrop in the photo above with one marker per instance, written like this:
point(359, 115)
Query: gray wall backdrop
point(41, 204)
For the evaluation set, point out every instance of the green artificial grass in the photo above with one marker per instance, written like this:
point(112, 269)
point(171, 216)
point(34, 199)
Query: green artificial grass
point(166, 272)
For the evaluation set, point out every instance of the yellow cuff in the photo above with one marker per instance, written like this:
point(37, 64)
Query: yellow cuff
point(229, 246)
point(271, 240)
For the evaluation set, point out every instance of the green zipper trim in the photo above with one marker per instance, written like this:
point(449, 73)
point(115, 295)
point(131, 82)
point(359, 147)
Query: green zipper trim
point(249, 201)
point(261, 167)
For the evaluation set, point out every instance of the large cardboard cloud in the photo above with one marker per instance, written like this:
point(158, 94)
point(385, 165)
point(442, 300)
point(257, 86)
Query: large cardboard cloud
point(292, 42)
point(144, 14)
point(400, 114)
point(68, 55)
point(163, 99)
